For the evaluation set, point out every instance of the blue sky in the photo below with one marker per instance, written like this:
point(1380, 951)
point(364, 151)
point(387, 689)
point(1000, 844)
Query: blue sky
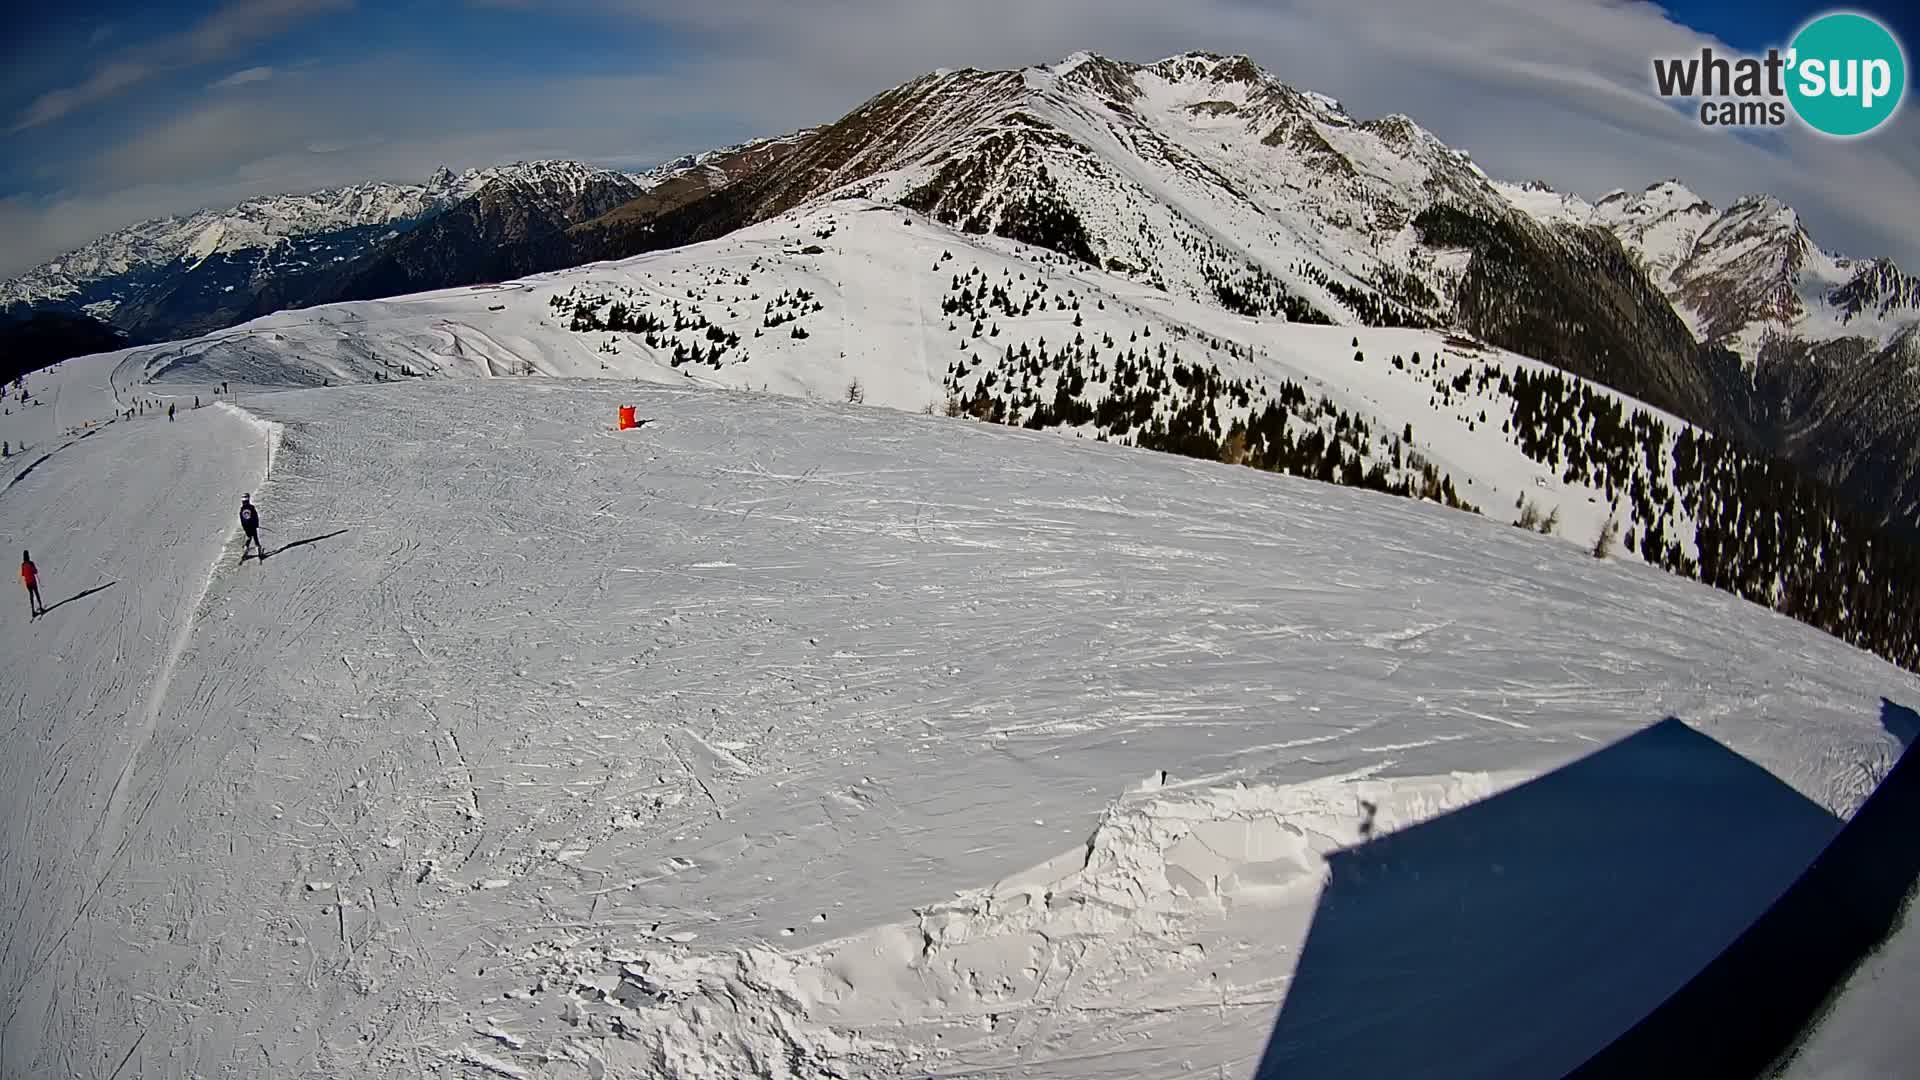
point(110, 113)
point(1754, 25)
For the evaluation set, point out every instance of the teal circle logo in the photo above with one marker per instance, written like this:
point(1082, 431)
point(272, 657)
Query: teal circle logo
point(1847, 74)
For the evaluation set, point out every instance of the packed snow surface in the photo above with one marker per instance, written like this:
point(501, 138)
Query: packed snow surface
point(791, 739)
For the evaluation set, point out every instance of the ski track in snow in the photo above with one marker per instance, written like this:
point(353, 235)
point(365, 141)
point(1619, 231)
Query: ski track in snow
point(92, 678)
point(771, 737)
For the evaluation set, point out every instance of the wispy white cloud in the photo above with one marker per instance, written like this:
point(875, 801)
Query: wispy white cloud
point(242, 78)
point(106, 81)
point(239, 24)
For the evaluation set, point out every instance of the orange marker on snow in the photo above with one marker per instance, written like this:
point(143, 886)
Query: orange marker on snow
point(626, 418)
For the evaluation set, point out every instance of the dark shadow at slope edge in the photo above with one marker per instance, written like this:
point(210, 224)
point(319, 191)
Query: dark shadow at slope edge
point(1901, 722)
point(1760, 998)
point(1518, 936)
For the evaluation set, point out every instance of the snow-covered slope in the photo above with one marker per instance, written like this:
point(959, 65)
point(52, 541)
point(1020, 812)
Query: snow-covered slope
point(925, 317)
point(794, 739)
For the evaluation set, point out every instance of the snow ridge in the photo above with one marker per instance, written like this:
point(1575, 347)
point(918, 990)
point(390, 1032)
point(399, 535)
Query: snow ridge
point(1135, 905)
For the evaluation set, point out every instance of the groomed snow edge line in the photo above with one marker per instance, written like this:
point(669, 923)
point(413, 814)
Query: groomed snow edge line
point(1159, 868)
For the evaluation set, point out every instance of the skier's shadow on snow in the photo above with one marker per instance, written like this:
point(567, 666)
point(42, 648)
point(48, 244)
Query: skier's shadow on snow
point(77, 596)
point(303, 543)
point(1518, 936)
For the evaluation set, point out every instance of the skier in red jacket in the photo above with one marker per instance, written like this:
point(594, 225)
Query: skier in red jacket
point(30, 574)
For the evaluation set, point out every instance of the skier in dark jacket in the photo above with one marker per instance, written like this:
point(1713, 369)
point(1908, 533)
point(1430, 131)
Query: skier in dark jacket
point(250, 524)
point(30, 576)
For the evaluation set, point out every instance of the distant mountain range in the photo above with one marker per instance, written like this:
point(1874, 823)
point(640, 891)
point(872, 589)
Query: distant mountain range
point(1829, 343)
point(176, 277)
point(1200, 175)
point(181, 275)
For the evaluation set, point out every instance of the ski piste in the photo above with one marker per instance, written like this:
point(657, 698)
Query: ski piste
point(808, 639)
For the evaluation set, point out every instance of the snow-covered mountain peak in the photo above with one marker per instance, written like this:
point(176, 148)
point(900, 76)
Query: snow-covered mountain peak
point(1202, 81)
point(1743, 274)
point(1658, 202)
point(1754, 227)
point(1877, 289)
point(1670, 192)
point(1200, 173)
point(1752, 271)
point(1766, 218)
point(1211, 68)
point(548, 176)
point(1069, 63)
point(1204, 78)
point(1539, 200)
point(1756, 213)
point(1660, 224)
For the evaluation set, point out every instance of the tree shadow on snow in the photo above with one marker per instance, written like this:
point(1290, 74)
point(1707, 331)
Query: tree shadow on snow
point(77, 596)
point(1519, 936)
point(303, 543)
